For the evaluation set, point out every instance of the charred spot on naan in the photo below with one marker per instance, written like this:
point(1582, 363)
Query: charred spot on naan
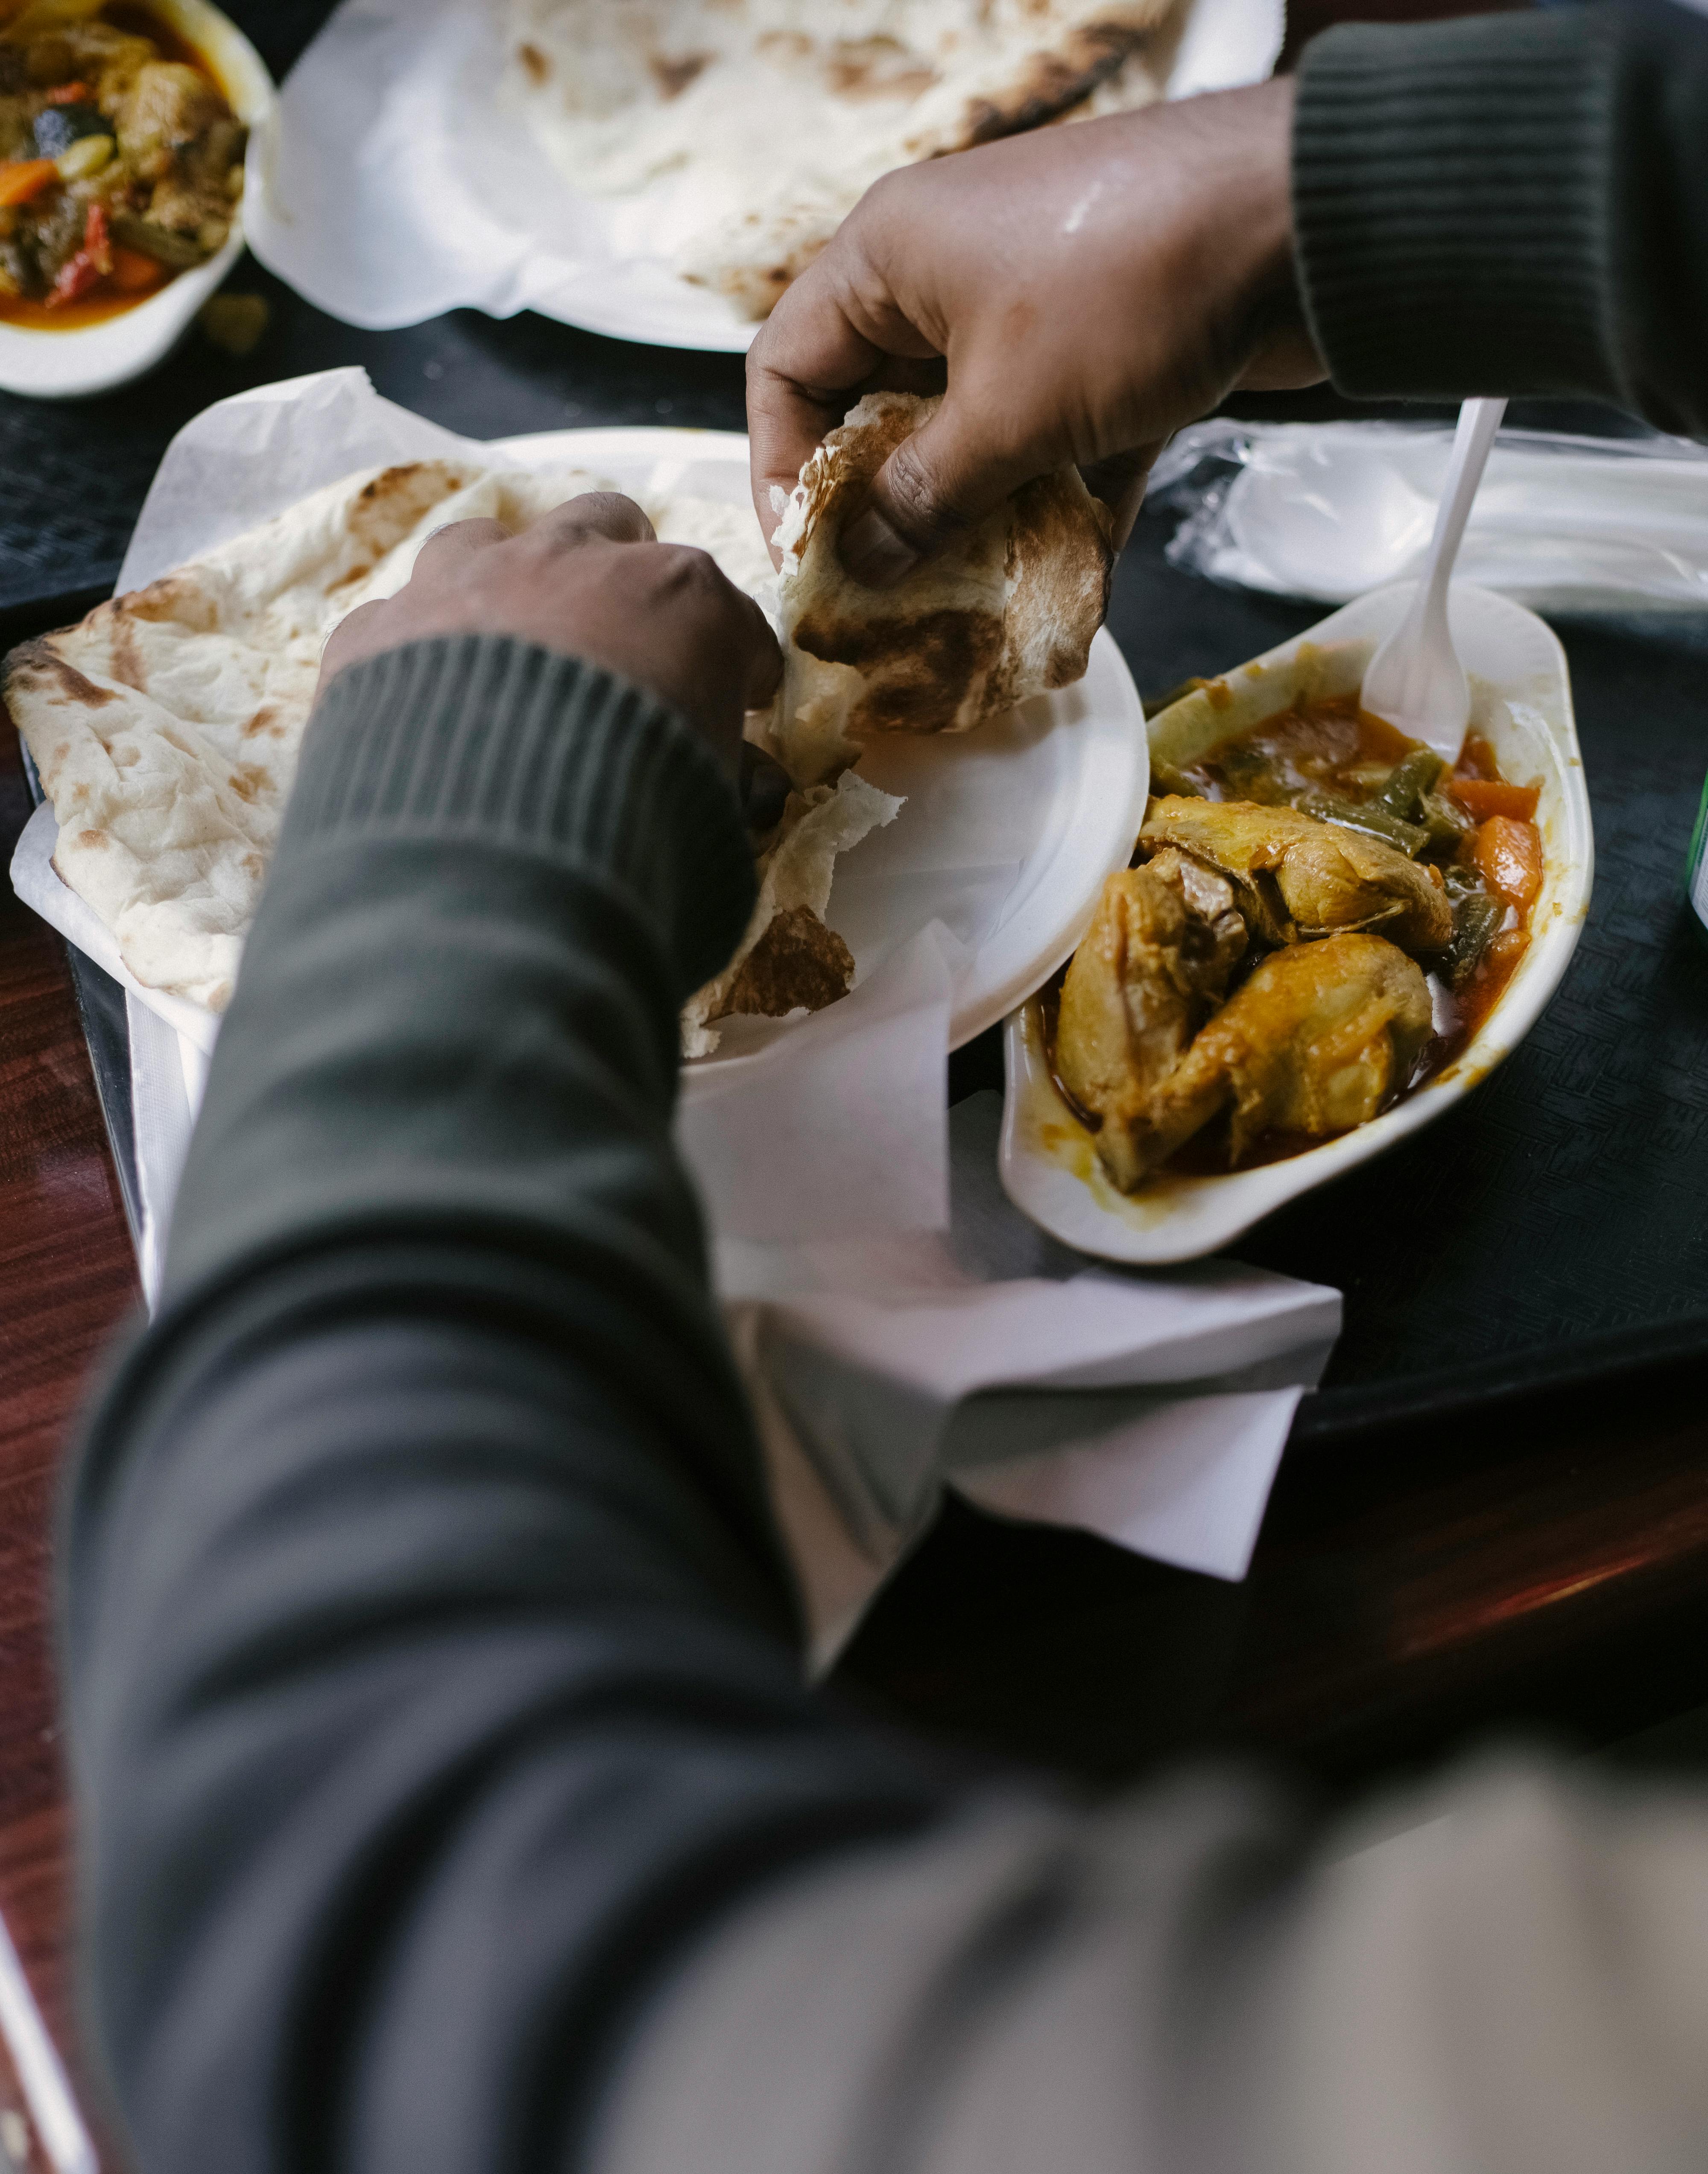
point(125, 657)
point(1051, 83)
point(672, 77)
point(877, 67)
point(918, 667)
point(175, 599)
point(40, 660)
point(389, 505)
point(798, 963)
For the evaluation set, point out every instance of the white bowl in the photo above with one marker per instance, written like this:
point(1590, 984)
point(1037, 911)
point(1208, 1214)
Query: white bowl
point(1522, 700)
point(67, 365)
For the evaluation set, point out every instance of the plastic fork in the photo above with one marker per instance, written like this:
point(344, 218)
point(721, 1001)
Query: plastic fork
point(1415, 679)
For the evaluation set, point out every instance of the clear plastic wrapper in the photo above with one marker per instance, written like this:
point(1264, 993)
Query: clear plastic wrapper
point(1332, 510)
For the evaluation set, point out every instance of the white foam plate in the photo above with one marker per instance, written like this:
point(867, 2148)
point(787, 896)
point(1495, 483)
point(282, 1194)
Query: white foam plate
point(1522, 700)
point(397, 186)
point(1005, 835)
point(67, 365)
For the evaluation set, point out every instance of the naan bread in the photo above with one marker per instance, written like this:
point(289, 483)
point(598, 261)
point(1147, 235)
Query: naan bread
point(166, 726)
point(778, 114)
point(1006, 612)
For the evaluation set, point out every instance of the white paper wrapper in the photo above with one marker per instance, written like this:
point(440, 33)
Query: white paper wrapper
point(396, 185)
point(983, 1355)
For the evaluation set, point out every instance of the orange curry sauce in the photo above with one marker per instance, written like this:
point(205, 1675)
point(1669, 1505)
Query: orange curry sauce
point(170, 45)
point(1331, 745)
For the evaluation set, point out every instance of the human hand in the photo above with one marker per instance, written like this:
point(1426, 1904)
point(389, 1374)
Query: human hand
point(1088, 290)
point(589, 579)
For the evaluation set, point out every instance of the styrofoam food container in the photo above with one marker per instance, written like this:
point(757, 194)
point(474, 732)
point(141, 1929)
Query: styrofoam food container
point(67, 365)
point(1522, 701)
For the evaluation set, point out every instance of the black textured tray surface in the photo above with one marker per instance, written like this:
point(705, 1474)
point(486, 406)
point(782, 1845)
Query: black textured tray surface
point(1559, 1216)
point(1554, 1226)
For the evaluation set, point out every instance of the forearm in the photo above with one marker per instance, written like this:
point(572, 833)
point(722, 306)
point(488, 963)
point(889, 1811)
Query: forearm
point(1512, 204)
point(431, 1661)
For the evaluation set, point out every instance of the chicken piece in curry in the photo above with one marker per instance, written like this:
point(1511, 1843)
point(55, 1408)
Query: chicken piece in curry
point(1317, 916)
point(121, 161)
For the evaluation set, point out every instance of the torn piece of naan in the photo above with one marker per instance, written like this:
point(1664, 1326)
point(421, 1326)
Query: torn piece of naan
point(773, 117)
point(166, 725)
point(1007, 611)
point(789, 958)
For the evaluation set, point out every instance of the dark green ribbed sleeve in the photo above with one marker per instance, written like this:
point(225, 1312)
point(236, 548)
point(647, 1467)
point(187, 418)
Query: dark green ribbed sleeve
point(484, 835)
point(430, 1655)
point(1510, 204)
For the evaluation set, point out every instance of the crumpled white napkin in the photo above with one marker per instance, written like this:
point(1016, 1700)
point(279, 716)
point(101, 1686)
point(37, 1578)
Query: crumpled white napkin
point(902, 1328)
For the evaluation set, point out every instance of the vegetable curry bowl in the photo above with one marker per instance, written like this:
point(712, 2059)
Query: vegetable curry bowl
point(1325, 935)
point(123, 130)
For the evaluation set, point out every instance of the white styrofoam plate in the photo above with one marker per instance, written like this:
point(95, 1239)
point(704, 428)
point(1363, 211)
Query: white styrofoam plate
point(396, 186)
point(1522, 700)
point(1005, 833)
point(67, 365)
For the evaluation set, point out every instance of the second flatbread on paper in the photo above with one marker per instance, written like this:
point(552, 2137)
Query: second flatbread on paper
point(166, 725)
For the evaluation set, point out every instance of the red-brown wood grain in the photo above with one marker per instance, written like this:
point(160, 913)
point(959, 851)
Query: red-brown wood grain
point(66, 1278)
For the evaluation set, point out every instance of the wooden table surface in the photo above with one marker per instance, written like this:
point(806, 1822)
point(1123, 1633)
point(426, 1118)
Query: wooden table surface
point(1543, 1568)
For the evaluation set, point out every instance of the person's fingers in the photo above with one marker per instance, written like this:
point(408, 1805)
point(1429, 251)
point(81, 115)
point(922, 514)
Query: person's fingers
point(350, 642)
point(950, 474)
point(764, 786)
point(765, 661)
point(1120, 482)
point(604, 513)
point(1286, 359)
point(786, 423)
point(804, 371)
point(457, 541)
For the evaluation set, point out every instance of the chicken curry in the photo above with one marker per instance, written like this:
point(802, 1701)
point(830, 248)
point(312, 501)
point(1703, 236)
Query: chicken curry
point(1318, 915)
point(121, 161)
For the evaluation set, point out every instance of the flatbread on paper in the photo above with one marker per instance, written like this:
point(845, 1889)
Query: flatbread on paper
point(1008, 611)
point(774, 116)
point(166, 725)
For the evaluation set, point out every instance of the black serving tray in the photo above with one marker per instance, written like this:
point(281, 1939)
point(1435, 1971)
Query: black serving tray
point(1553, 1229)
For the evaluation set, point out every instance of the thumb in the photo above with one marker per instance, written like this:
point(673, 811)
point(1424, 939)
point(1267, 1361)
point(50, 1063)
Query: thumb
point(936, 485)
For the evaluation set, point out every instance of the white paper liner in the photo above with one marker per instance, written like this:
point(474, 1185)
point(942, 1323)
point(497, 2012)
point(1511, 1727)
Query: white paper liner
point(884, 1369)
point(396, 186)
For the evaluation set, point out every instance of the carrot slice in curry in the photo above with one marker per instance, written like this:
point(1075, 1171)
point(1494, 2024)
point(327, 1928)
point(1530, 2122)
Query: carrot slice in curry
point(1485, 797)
point(21, 179)
point(1510, 856)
